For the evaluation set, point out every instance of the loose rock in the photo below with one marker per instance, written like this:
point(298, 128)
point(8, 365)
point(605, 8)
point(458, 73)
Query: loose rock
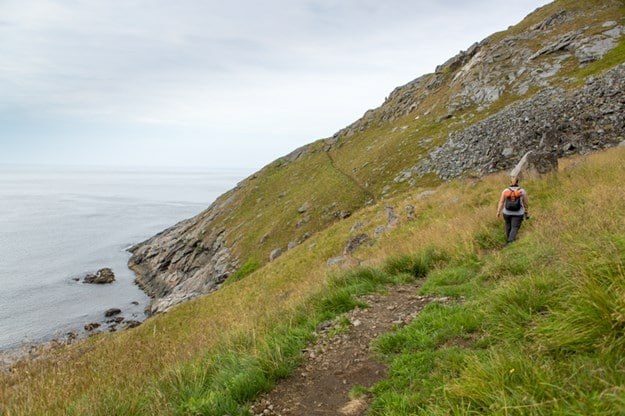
point(102, 276)
point(354, 243)
point(275, 253)
point(91, 326)
point(112, 312)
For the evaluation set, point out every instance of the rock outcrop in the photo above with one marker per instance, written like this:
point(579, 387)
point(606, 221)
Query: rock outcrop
point(181, 262)
point(102, 276)
point(554, 123)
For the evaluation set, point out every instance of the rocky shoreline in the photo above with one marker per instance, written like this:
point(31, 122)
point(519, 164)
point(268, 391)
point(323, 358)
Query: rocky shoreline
point(112, 320)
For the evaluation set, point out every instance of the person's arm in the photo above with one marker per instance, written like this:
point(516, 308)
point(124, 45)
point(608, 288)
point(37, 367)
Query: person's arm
point(500, 205)
point(526, 204)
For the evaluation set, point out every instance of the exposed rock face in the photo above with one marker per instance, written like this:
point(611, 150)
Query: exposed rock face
point(102, 276)
point(554, 122)
point(182, 262)
point(540, 163)
point(488, 69)
point(355, 242)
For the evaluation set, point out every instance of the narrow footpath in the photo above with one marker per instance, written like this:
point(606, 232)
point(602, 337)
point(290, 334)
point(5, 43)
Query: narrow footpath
point(341, 358)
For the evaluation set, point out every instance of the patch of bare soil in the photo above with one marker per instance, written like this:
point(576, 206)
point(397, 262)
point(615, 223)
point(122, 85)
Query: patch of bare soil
point(341, 358)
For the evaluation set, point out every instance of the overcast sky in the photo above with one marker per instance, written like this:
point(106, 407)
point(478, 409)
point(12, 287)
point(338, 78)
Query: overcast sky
point(206, 83)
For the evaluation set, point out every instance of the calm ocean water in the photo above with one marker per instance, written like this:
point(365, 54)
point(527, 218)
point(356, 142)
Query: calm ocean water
point(58, 224)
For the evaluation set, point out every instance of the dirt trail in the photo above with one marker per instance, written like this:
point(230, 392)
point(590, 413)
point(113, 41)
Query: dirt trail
point(341, 359)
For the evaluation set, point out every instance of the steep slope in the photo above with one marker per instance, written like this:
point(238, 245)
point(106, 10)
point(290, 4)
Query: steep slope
point(552, 84)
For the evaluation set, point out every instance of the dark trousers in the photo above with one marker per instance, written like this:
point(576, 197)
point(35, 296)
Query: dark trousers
point(513, 223)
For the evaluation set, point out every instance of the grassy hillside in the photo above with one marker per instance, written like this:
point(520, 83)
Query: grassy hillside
point(537, 327)
point(269, 204)
point(360, 163)
point(390, 150)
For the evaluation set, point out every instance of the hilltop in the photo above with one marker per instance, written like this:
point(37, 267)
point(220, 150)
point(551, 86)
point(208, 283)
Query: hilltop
point(543, 85)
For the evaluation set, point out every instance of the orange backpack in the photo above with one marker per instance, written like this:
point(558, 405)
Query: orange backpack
point(513, 199)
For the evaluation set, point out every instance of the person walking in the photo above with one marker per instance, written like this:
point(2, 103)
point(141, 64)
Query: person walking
point(513, 204)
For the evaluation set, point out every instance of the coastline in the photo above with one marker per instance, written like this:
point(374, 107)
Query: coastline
point(63, 223)
point(26, 350)
point(112, 320)
point(31, 351)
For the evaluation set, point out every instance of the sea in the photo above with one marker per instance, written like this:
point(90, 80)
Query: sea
point(58, 224)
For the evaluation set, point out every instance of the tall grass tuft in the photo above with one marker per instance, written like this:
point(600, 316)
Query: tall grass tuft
point(593, 316)
point(490, 236)
point(454, 281)
point(505, 382)
point(344, 288)
point(514, 307)
point(436, 325)
point(218, 385)
point(417, 264)
point(223, 382)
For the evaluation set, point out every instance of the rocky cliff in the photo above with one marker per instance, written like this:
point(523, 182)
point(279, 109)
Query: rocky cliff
point(552, 124)
point(552, 84)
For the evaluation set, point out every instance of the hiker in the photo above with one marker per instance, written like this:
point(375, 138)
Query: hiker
point(513, 205)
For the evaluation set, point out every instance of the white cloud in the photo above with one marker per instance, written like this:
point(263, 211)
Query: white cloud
point(240, 69)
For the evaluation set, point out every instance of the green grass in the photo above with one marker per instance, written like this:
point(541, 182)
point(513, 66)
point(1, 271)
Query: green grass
point(541, 330)
point(221, 383)
point(454, 281)
point(416, 264)
point(268, 204)
point(249, 267)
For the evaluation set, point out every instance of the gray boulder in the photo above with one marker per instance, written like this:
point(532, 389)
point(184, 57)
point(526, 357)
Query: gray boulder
point(275, 253)
point(92, 326)
point(355, 242)
point(112, 312)
point(102, 276)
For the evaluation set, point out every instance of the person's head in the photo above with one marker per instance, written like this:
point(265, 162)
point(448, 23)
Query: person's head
point(514, 180)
